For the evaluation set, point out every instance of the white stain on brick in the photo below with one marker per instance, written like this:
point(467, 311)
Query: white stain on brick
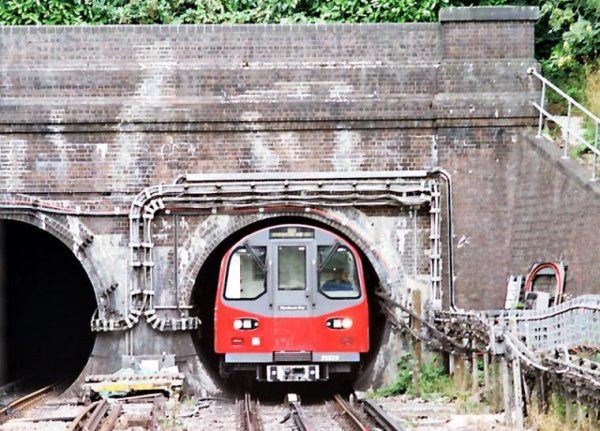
point(263, 157)
point(183, 224)
point(340, 92)
point(290, 144)
point(157, 65)
point(60, 145)
point(250, 116)
point(57, 115)
point(402, 233)
point(129, 147)
point(108, 249)
point(346, 156)
point(102, 149)
point(12, 159)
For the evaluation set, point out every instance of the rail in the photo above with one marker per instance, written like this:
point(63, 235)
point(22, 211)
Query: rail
point(348, 415)
point(569, 132)
point(28, 400)
point(299, 417)
point(91, 417)
point(249, 416)
point(383, 419)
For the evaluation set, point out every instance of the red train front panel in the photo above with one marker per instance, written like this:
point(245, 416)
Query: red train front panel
point(291, 305)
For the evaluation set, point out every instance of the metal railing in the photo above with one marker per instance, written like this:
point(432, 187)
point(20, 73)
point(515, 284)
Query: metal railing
point(569, 133)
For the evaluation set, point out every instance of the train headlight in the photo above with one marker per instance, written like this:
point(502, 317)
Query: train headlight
point(339, 323)
point(245, 324)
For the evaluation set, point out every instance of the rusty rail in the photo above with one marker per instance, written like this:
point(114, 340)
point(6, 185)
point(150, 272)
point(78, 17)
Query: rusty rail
point(349, 415)
point(380, 416)
point(91, 417)
point(249, 417)
point(299, 417)
point(28, 400)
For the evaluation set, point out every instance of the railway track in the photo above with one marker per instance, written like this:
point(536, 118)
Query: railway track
point(380, 416)
point(92, 417)
point(103, 415)
point(351, 420)
point(27, 401)
point(249, 414)
point(347, 418)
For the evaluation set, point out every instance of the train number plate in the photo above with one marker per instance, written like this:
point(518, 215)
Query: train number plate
point(292, 373)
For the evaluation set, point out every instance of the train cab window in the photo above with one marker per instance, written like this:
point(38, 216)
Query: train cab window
point(338, 277)
point(246, 273)
point(292, 267)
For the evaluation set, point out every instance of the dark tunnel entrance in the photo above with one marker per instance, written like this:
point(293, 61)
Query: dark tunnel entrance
point(47, 302)
point(205, 287)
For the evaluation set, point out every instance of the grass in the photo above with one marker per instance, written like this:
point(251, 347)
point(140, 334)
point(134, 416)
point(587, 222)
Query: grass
point(592, 90)
point(432, 382)
point(592, 101)
point(540, 421)
point(403, 381)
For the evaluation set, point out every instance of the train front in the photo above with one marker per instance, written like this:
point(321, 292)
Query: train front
point(291, 305)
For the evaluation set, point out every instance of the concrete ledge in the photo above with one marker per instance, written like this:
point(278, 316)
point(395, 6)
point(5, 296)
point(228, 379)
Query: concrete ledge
point(489, 13)
point(571, 168)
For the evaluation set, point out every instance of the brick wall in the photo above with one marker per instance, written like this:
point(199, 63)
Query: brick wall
point(517, 203)
point(89, 116)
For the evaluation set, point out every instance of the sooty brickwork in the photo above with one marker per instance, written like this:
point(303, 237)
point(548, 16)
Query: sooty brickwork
point(90, 116)
point(518, 203)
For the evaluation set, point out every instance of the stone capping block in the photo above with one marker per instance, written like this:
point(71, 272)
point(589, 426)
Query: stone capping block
point(489, 13)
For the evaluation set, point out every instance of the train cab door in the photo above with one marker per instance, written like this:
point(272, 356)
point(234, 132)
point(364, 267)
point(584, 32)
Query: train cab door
point(293, 284)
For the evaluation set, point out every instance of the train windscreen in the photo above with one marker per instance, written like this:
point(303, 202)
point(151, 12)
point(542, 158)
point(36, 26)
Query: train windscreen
point(246, 273)
point(338, 277)
point(292, 267)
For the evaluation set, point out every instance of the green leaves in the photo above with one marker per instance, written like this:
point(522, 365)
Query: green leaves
point(35, 12)
point(218, 11)
point(568, 42)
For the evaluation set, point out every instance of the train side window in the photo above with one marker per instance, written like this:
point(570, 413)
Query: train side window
point(338, 276)
point(246, 277)
point(291, 267)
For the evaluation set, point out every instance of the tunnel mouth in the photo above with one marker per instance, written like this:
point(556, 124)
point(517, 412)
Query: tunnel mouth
point(47, 301)
point(204, 292)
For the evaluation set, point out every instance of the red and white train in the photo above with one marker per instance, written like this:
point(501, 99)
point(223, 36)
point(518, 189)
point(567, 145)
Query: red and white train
point(291, 305)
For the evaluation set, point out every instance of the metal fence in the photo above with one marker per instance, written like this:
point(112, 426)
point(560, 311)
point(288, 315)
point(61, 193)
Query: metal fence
point(571, 324)
point(570, 133)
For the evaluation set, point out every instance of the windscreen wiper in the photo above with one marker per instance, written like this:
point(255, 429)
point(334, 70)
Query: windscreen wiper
point(330, 253)
point(256, 257)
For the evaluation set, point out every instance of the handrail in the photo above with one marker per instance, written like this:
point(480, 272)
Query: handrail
point(593, 147)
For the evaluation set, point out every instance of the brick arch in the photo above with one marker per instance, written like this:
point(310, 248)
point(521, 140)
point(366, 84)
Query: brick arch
point(217, 231)
point(55, 227)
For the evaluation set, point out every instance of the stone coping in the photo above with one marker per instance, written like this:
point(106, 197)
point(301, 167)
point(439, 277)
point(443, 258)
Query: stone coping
point(489, 13)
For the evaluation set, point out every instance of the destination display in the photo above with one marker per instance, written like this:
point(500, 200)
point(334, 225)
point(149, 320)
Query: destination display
point(291, 232)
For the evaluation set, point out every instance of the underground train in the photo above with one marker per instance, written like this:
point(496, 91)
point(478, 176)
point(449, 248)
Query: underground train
point(291, 305)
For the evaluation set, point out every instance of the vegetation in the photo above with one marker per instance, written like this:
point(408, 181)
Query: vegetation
point(222, 11)
point(567, 34)
point(432, 382)
point(403, 382)
point(568, 41)
point(540, 421)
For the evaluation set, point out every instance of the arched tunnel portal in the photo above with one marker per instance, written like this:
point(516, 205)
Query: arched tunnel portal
point(46, 300)
point(205, 287)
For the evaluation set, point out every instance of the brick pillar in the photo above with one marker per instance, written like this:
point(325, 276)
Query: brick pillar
point(494, 32)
